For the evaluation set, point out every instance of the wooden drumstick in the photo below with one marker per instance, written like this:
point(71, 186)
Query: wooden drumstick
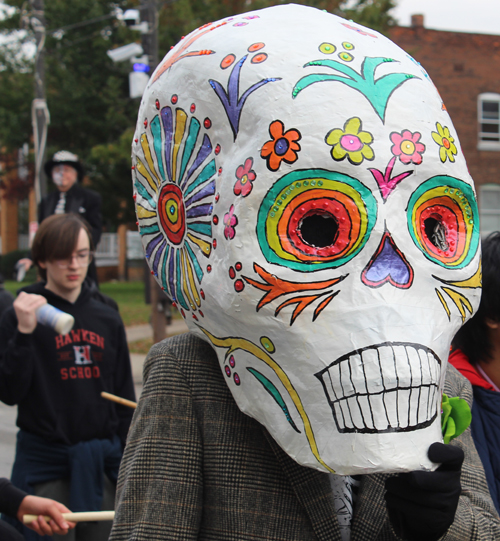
point(89, 516)
point(119, 400)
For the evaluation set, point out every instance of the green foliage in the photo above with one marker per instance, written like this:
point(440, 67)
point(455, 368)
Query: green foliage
point(130, 299)
point(87, 94)
point(16, 83)
point(16, 89)
point(8, 262)
point(374, 14)
point(109, 168)
point(182, 16)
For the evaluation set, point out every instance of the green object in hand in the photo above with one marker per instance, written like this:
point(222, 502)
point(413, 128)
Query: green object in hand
point(455, 417)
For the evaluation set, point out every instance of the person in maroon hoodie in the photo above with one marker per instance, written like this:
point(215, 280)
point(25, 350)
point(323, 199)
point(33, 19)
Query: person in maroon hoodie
point(71, 440)
point(476, 354)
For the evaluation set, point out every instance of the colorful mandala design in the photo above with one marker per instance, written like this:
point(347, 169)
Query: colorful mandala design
point(174, 180)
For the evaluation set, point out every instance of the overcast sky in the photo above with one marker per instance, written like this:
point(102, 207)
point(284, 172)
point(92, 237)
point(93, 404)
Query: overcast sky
point(478, 16)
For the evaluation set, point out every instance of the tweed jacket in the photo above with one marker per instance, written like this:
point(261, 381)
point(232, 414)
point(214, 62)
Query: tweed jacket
point(196, 467)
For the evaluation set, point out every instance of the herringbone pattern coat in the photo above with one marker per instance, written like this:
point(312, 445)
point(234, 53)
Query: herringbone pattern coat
point(195, 467)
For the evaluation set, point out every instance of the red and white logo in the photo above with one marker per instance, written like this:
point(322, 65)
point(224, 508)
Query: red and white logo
point(82, 355)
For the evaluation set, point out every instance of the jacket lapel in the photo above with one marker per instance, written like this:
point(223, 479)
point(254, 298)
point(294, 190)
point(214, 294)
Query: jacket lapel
point(314, 492)
point(370, 513)
point(50, 205)
point(74, 201)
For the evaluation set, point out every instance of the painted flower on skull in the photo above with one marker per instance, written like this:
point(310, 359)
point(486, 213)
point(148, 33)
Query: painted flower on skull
point(444, 139)
point(245, 175)
point(282, 147)
point(407, 147)
point(174, 179)
point(350, 142)
point(230, 222)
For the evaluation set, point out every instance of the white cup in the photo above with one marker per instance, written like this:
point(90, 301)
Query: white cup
point(60, 321)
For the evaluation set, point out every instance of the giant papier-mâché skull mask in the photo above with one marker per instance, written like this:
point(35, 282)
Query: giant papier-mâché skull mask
point(303, 198)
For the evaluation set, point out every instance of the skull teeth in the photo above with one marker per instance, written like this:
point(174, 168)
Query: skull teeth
point(388, 387)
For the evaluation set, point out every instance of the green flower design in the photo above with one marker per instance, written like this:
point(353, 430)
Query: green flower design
point(350, 142)
point(455, 417)
point(444, 139)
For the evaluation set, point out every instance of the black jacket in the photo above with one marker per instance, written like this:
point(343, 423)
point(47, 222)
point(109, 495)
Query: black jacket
point(10, 500)
point(79, 200)
point(56, 380)
point(10, 497)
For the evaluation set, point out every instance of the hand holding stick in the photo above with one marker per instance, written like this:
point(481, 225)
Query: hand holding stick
point(89, 516)
point(119, 400)
point(42, 509)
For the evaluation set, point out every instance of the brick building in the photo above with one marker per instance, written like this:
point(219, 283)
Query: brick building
point(466, 70)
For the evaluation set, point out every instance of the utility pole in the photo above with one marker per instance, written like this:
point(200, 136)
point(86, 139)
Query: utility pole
point(149, 14)
point(40, 117)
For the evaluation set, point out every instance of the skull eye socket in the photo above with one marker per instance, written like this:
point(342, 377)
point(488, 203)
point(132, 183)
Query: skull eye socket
point(435, 231)
point(443, 221)
point(315, 219)
point(319, 230)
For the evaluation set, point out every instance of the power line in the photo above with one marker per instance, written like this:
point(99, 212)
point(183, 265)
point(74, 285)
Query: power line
point(82, 23)
point(102, 18)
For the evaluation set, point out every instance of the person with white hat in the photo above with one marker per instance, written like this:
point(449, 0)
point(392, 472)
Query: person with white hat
point(66, 171)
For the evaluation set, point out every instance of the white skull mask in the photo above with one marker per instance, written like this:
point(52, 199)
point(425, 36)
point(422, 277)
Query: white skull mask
point(302, 196)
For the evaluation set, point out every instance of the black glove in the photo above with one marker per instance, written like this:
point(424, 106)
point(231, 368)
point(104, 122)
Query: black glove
point(422, 505)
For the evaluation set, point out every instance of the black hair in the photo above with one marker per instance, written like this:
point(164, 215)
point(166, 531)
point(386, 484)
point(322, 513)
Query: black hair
point(473, 338)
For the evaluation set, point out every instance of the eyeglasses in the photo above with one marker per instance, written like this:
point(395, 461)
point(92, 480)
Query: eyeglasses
point(83, 259)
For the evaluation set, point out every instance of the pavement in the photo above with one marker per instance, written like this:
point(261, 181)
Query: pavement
point(8, 414)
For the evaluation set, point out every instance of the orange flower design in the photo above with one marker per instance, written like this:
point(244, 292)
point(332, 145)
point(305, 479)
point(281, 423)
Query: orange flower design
point(282, 147)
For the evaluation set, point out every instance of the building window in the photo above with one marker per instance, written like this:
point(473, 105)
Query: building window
point(488, 113)
point(489, 205)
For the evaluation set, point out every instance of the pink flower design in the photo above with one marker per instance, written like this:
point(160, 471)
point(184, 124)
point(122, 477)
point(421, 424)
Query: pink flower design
point(230, 222)
point(245, 176)
point(407, 147)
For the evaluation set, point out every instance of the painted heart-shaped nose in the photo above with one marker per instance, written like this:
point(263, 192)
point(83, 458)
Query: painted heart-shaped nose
point(388, 264)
